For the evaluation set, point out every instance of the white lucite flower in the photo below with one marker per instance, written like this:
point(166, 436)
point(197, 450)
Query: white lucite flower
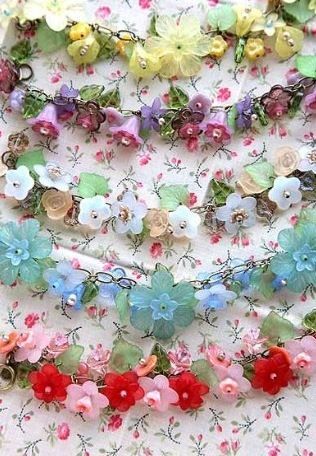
point(308, 159)
point(94, 211)
point(56, 12)
point(184, 223)
point(237, 213)
point(285, 191)
point(129, 214)
point(53, 176)
point(19, 183)
point(268, 24)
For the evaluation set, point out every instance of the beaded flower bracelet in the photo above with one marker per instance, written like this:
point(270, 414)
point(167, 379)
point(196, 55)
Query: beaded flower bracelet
point(157, 310)
point(271, 358)
point(175, 45)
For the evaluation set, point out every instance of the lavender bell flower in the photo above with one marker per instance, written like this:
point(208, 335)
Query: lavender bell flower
point(151, 114)
point(16, 99)
point(245, 112)
point(113, 117)
point(200, 103)
point(127, 134)
point(217, 129)
point(46, 123)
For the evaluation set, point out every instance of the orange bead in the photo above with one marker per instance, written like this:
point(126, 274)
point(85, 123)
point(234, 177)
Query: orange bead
point(9, 343)
point(146, 366)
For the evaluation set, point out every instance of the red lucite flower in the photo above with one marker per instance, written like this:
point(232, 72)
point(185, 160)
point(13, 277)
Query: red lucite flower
point(273, 372)
point(189, 389)
point(8, 76)
point(49, 384)
point(122, 390)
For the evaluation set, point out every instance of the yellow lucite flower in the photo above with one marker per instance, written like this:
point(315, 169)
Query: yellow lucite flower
point(254, 49)
point(218, 47)
point(245, 18)
point(289, 41)
point(79, 31)
point(268, 24)
point(122, 43)
point(179, 45)
point(312, 5)
point(84, 51)
point(143, 64)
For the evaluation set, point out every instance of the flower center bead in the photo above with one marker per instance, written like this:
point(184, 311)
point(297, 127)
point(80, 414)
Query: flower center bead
point(302, 360)
point(94, 214)
point(72, 300)
point(286, 194)
point(312, 157)
point(142, 63)
point(54, 171)
point(229, 386)
point(125, 214)
point(273, 376)
point(44, 131)
point(217, 133)
point(239, 215)
point(16, 184)
point(123, 393)
point(185, 395)
point(183, 225)
point(125, 141)
point(48, 389)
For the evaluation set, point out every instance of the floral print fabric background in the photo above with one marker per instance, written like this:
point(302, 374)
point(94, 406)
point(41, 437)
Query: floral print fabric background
point(272, 425)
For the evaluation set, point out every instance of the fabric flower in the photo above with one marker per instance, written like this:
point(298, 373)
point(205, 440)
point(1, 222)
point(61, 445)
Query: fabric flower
point(285, 191)
point(190, 390)
point(231, 382)
point(16, 99)
point(98, 361)
point(9, 76)
point(56, 203)
point(307, 159)
point(180, 359)
point(237, 213)
point(31, 344)
point(286, 161)
point(303, 354)
point(85, 399)
point(244, 112)
point(20, 248)
point(52, 175)
point(218, 47)
point(151, 115)
point(56, 13)
point(179, 45)
point(63, 278)
point(157, 220)
point(158, 394)
point(123, 390)
point(46, 123)
point(129, 213)
point(297, 264)
point(245, 18)
point(276, 102)
point(216, 356)
point(268, 23)
point(89, 116)
point(184, 222)
point(108, 291)
point(18, 183)
point(7, 344)
point(127, 134)
point(272, 373)
point(254, 49)
point(216, 297)
point(200, 103)
point(248, 185)
point(162, 306)
point(49, 384)
point(94, 211)
point(143, 64)
point(217, 129)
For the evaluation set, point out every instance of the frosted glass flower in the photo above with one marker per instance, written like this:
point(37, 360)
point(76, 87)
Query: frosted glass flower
point(307, 159)
point(143, 64)
point(184, 223)
point(20, 248)
point(129, 214)
point(245, 18)
point(268, 24)
point(19, 183)
point(237, 213)
point(56, 12)
point(158, 394)
point(216, 297)
point(52, 175)
point(31, 345)
point(285, 191)
point(94, 211)
point(63, 278)
point(231, 382)
point(85, 399)
point(303, 354)
point(179, 45)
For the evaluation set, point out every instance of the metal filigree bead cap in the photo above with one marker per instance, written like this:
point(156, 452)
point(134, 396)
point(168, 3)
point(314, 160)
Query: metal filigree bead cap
point(18, 142)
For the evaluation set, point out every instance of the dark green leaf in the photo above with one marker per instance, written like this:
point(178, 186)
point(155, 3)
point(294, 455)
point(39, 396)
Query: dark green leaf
point(166, 130)
point(21, 52)
point(152, 26)
point(277, 329)
point(68, 361)
point(309, 320)
point(111, 98)
point(34, 103)
point(124, 356)
point(107, 46)
point(48, 40)
point(178, 98)
point(90, 292)
point(240, 49)
point(163, 363)
point(219, 191)
point(91, 92)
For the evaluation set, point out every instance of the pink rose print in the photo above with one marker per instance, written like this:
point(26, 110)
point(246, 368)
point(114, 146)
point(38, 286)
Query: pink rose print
point(103, 12)
point(31, 319)
point(63, 431)
point(156, 249)
point(223, 94)
point(115, 422)
point(145, 4)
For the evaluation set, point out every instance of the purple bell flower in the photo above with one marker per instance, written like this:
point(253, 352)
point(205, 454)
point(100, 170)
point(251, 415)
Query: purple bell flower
point(245, 112)
point(200, 103)
point(127, 134)
point(16, 99)
point(46, 123)
point(151, 115)
point(64, 109)
point(113, 117)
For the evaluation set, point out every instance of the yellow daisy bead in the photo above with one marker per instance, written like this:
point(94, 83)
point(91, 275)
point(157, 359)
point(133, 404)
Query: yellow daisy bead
point(142, 63)
point(218, 47)
point(79, 31)
point(254, 49)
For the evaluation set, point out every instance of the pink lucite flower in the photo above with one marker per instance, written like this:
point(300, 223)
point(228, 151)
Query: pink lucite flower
point(85, 399)
point(98, 361)
point(200, 103)
point(310, 102)
point(63, 431)
point(180, 360)
point(127, 134)
point(31, 345)
point(57, 345)
point(189, 130)
point(276, 102)
point(216, 356)
point(231, 382)
point(46, 123)
point(303, 354)
point(217, 129)
point(113, 117)
point(158, 394)
point(253, 342)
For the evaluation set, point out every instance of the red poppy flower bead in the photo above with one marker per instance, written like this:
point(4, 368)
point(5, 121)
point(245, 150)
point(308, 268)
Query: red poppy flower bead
point(189, 389)
point(49, 384)
point(122, 390)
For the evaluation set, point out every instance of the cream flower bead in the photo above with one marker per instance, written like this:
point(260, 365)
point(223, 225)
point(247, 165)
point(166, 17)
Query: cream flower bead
point(286, 161)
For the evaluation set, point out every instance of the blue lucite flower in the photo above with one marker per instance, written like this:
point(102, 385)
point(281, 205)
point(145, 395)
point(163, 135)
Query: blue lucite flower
point(73, 298)
point(216, 297)
point(108, 291)
point(63, 278)
point(163, 306)
point(21, 249)
point(297, 264)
